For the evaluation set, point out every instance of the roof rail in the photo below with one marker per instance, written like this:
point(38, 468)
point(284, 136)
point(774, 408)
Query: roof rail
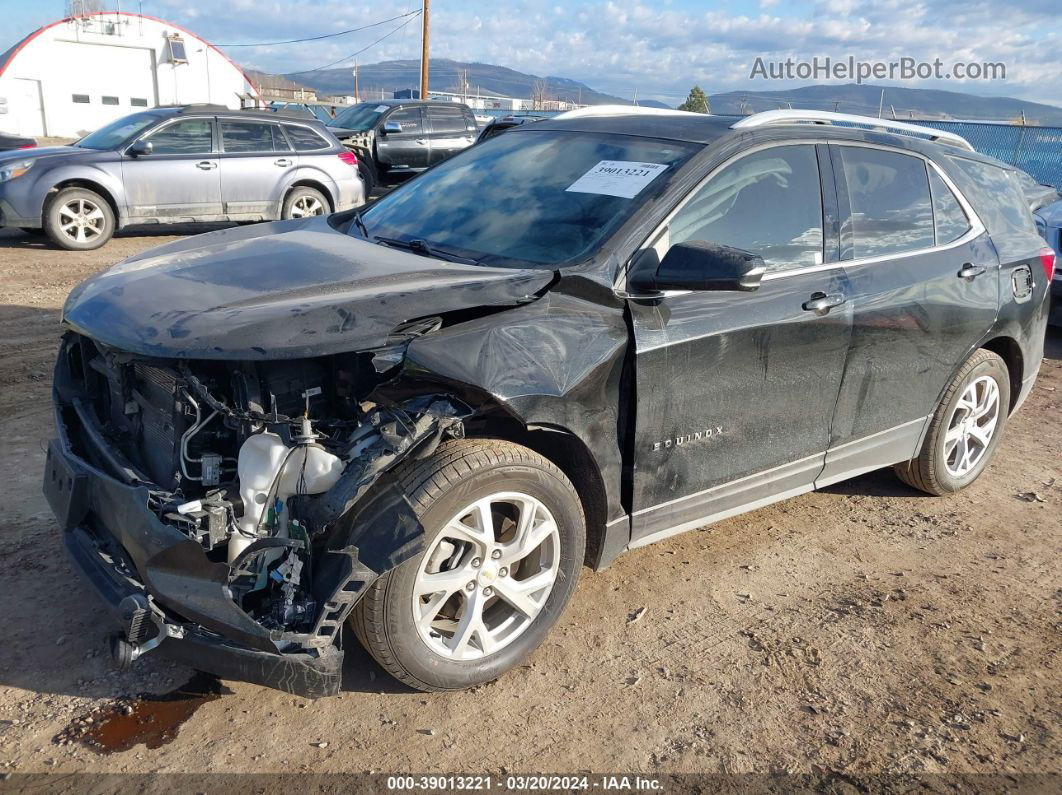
point(826, 117)
point(621, 110)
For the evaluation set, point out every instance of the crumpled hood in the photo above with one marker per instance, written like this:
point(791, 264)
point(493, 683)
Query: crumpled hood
point(281, 290)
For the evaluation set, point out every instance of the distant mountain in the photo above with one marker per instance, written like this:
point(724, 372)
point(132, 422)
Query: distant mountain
point(446, 75)
point(907, 102)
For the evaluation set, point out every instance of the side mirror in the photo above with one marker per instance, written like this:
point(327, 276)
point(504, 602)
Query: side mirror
point(392, 127)
point(699, 265)
point(140, 148)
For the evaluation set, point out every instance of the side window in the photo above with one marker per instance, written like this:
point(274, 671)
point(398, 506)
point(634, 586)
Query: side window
point(888, 192)
point(997, 196)
point(247, 136)
point(409, 118)
point(185, 137)
point(447, 121)
point(304, 139)
point(769, 203)
point(949, 219)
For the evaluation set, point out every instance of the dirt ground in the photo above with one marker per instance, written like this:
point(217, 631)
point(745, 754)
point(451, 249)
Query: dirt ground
point(862, 630)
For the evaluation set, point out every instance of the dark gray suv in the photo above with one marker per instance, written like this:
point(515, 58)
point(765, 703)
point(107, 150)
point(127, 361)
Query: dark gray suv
point(178, 164)
point(393, 137)
point(575, 339)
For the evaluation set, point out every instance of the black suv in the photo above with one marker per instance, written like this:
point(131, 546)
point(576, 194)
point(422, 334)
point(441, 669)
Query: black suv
point(393, 137)
point(577, 338)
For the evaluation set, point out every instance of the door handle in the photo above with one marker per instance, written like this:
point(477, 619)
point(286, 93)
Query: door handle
point(282, 162)
point(206, 165)
point(970, 271)
point(822, 303)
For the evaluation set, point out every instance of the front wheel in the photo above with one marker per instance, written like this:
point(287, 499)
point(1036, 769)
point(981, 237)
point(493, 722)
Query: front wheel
point(504, 542)
point(965, 430)
point(78, 219)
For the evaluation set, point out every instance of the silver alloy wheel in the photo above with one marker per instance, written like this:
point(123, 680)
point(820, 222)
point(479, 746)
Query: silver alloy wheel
point(486, 576)
point(306, 205)
point(82, 220)
point(971, 427)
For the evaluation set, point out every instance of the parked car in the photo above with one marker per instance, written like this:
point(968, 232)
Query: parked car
point(500, 125)
point(575, 339)
point(175, 165)
point(1046, 203)
point(8, 141)
point(395, 137)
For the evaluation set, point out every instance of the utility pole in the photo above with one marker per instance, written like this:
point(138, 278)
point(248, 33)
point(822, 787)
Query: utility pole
point(424, 51)
point(881, 103)
point(357, 93)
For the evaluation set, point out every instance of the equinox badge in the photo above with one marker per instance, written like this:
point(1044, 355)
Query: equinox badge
point(678, 441)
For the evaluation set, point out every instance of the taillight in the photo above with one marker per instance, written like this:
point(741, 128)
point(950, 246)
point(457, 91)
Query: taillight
point(1047, 259)
point(28, 146)
point(349, 158)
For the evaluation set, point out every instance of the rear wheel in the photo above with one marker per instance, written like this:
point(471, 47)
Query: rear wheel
point(78, 219)
point(504, 541)
point(302, 202)
point(966, 428)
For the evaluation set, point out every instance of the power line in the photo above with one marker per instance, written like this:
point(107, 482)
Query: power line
point(411, 17)
point(325, 36)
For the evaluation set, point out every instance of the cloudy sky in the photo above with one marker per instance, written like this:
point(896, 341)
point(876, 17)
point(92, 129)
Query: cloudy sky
point(657, 47)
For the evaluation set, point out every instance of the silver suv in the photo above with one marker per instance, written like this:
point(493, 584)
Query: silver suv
point(178, 165)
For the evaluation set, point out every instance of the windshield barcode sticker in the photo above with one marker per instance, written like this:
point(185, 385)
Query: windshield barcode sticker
point(621, 178)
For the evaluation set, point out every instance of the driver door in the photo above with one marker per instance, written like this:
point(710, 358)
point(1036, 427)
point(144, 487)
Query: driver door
point(180, 180)
point(736, 390)
point(404, 150)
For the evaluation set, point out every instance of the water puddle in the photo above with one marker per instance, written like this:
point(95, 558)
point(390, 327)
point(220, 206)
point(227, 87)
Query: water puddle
point(149, 720)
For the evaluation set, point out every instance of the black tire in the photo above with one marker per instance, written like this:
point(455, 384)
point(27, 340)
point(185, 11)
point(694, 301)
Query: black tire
point(460, 472)
point(367, 172)
point(300, 200)
point(928, 472)
point(96, 229)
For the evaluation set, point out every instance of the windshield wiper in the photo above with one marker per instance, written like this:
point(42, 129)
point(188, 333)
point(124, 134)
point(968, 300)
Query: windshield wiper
point(361, 226)
point(422, 247)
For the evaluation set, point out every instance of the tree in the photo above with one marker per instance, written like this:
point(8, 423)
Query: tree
point(539, 94)
point(696, 102)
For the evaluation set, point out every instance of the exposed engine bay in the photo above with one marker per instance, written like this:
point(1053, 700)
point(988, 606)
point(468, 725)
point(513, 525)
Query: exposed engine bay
point(258, 463)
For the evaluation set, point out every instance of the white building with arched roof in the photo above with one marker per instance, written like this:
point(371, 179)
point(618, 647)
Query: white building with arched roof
point(77, 74)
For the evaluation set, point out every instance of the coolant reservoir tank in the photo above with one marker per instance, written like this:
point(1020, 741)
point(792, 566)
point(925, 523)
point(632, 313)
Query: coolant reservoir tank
point(268, 466)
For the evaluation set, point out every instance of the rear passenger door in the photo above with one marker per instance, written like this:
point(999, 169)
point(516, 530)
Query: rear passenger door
point(408, 149)
point(922, 281)
point(450, 130)
point(256, 164)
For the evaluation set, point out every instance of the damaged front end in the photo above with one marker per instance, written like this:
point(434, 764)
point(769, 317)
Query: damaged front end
point(233, 513)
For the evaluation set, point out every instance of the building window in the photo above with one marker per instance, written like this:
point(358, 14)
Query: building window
point(109, 100)
point(138, 102)
point(178, 54)
point(81, 99)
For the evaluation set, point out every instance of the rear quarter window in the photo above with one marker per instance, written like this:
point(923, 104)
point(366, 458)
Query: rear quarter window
point(998, 200)
point(304, 139)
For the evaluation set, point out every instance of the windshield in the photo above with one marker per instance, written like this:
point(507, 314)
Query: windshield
point(117, 132)
point(543, 197)
point(359, 117)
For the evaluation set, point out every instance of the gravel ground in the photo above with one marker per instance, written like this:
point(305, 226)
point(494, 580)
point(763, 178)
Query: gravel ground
point(865, 629)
